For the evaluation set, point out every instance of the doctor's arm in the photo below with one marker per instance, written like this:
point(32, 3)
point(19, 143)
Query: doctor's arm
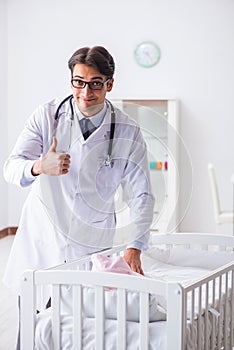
point(26, 160)
point(138, 194)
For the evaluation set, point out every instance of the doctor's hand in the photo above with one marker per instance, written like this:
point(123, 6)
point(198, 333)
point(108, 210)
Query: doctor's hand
point(132, 257)
point(53, 163)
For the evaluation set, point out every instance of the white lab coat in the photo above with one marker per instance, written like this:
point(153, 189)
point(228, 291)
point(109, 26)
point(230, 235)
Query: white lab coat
point(68, 216)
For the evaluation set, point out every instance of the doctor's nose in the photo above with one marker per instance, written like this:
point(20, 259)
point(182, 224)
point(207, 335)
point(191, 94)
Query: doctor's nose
point(86, 90)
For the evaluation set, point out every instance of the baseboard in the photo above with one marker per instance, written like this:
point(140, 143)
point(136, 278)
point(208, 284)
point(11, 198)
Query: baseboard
point(8, 231)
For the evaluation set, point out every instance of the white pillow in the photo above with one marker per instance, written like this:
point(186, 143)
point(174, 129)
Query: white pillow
point(180, 256)
point(199, 258)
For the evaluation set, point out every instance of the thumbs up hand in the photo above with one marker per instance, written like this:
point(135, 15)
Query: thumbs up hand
point(54, 145)
point(52, 163)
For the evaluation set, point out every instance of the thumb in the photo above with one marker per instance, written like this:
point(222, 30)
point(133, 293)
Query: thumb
point(54, 145)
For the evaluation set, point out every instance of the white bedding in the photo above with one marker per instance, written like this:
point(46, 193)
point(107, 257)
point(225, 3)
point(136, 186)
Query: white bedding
point(157, 334)
point(167, 265)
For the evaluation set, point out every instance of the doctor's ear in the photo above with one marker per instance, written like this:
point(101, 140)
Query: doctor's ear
point(110, 84)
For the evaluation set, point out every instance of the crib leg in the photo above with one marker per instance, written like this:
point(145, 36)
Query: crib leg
point(27, 314)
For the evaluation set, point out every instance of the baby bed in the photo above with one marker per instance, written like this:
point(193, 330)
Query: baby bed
point(199, 312)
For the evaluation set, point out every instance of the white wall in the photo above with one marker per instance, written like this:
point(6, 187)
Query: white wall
point(196, 67)
point(3, 113)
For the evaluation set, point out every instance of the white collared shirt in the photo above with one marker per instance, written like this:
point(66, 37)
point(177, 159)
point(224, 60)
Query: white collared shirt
point(96, 119)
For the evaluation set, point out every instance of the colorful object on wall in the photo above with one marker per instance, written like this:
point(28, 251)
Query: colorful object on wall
point(158, 165)
point(152, 165)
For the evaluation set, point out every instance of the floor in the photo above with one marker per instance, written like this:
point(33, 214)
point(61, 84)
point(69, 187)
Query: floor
point(8, 302)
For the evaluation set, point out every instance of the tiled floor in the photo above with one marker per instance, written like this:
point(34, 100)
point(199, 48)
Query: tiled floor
point(8, 302)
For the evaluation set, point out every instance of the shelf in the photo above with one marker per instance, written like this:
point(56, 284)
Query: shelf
point(158, 120)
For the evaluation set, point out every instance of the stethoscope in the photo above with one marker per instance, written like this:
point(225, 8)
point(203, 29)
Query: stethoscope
point(108, 161)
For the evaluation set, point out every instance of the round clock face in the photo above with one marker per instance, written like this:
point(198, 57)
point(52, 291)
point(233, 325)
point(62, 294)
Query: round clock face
point(147, 54)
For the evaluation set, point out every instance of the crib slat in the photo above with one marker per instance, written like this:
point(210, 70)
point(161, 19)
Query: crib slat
point(225, 325)
point(56, 316)
point(77, 317)
point(121, 316)
point(220, 318)
point(185, 312)
point(206, 330)
point(99, 317)
point(213, 316)
point(192, 314)
point(232, 309)
point(144, 321)
point(199, 331)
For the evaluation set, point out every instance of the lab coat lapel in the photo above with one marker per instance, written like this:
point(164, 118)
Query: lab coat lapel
point(68, 131)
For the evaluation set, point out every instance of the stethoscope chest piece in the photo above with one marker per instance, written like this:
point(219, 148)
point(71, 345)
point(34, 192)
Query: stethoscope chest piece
point(108, 161)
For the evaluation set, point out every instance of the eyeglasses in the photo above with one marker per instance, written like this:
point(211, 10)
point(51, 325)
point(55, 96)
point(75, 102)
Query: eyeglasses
point(93, 85)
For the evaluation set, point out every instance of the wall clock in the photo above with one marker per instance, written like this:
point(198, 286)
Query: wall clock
point(147, 54)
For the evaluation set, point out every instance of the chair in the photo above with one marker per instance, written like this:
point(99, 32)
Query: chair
point(221, 217)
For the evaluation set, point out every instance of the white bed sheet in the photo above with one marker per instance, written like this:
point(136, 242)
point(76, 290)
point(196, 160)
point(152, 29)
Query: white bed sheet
point(157, 334)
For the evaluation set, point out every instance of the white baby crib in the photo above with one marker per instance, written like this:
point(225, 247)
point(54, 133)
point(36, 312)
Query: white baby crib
point(199, 312)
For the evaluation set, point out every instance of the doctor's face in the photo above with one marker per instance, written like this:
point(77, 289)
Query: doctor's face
point(89, 97)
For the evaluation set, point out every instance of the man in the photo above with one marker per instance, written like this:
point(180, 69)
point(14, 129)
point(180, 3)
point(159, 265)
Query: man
point(63, 155)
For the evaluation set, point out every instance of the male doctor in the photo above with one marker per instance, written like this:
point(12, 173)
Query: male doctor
point(64, 157)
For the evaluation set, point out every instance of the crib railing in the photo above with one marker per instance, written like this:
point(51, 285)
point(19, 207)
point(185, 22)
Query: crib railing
point(98, 280)
point(181, 314)
point(212, 324)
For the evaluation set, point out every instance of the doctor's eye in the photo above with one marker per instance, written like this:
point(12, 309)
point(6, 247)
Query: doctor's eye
point(95, 84)
point(77, 83)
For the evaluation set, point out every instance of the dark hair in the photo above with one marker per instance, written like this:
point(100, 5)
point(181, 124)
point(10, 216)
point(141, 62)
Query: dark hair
point(97, 57)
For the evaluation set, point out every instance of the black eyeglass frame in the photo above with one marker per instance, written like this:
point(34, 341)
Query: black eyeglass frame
point(89, 83)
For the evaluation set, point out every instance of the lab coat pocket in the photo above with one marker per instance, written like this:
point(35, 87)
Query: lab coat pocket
point(96, 232)
point(108, 178)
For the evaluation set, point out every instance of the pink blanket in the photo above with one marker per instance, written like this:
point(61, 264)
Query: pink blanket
point(116, 264)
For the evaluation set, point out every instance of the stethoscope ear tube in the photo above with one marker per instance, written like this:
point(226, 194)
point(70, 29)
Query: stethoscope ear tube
point(108, 161)
point(60, 105)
